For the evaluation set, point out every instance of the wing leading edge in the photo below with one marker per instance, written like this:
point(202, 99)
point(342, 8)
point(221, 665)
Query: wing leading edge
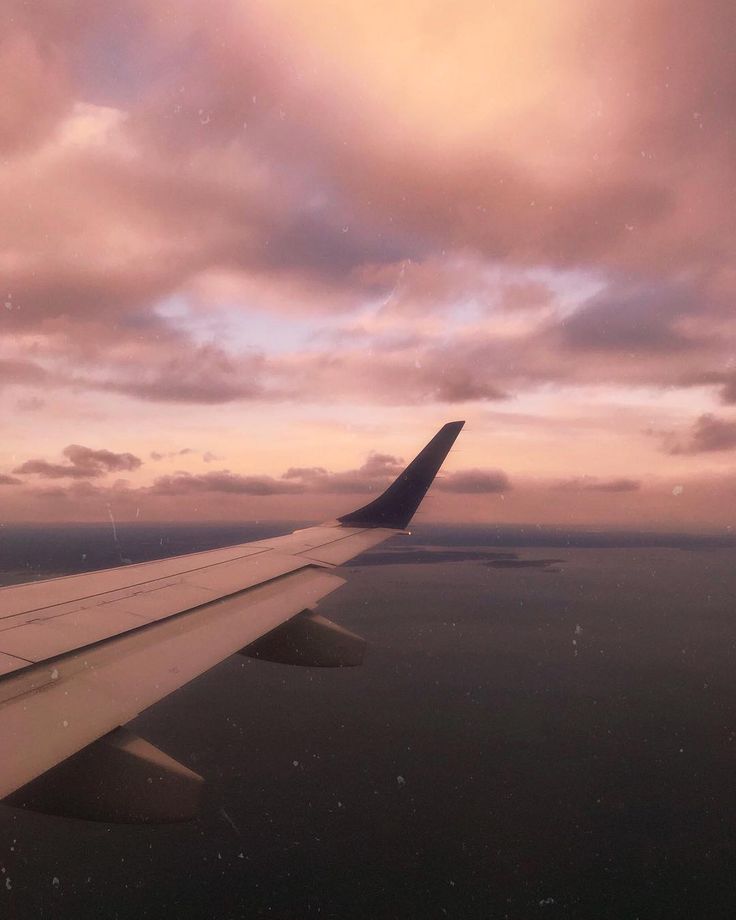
point(83, 655)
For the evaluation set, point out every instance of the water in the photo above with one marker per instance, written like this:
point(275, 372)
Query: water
point(554, 738)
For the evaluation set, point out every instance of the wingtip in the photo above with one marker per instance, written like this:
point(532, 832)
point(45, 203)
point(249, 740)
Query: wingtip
point(398, 504)
point(452, 427)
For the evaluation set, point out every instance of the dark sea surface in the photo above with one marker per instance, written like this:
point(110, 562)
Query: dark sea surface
point(545, 726)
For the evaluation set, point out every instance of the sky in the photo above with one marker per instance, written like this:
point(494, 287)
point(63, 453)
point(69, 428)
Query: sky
point(252, 255)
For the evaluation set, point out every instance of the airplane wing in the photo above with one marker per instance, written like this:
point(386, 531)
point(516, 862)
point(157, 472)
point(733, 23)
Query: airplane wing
point(83, 655)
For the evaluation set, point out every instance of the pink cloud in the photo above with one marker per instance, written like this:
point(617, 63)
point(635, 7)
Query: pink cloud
point(84, 463)
point(222, 481)
point(709, 433)
point(393, 178)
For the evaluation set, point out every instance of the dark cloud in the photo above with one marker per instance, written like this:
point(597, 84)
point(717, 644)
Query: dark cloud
point(380, 469)
point(84, 463)
point(709, 433)
point(6, 480)
point(622, 484)
point(104, 460)
point(82, 490)
point(449, 371)
point(206, 375)
point(632, 317)
point(460, 384)
point(55, 493)
point(48, 470)
point(323, 245)
point(221, 481)
point(373, 476)
point(728, 393)
point(23, 372)
point(474, 482)
point(726, 380)
point(382, 465)
point(34, 72)
point(593, 484)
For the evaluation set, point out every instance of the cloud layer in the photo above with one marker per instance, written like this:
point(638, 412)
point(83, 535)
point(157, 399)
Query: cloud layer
point(84, 463)
point(370, 209)
point(709, 433)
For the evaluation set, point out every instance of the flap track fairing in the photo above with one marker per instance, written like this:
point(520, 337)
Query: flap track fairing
point(309, 640)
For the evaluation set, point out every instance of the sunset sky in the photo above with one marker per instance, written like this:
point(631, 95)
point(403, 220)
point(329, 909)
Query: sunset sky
point(253, 254)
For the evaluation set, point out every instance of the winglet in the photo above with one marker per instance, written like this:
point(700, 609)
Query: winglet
point(397, 505)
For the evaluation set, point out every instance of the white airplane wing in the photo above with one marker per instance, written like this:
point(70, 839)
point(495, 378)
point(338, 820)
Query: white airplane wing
point(83, 655)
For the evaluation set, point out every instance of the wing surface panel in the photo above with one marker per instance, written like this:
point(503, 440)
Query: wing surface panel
point(54, 630)
point(10, 663)
point(338, 552)
point(53, 591)
point(335, 543)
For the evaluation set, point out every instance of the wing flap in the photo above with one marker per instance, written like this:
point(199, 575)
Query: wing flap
point(9, 663)
point(53, 710)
